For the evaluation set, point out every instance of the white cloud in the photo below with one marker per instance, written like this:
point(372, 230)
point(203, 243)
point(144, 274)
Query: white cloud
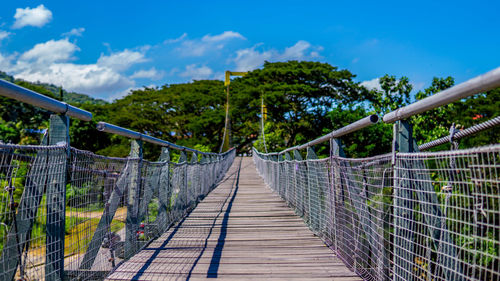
point(152, 74)
point(197, 73)
point(50, 62)
point(372, 84)
point(74, 32)
point(315, 54)
point(191, 48)
point(178, 39)
point(4, 34)
point(89, 78)
point(50, 52)
point(5, 63)
point(208, 43)
point(297, 51)
point(223, 36)
point(38, 16)
point(121, 61)
point(418, 86)
point(251, 58)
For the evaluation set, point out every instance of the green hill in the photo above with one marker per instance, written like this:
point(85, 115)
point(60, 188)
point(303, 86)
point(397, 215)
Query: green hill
point(69, 97)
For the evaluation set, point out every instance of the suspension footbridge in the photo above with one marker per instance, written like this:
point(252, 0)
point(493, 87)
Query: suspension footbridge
point(287, 215)
point(241, 230)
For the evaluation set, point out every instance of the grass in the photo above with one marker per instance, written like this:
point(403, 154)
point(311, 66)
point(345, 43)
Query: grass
point(79, 235)
point(98, 207)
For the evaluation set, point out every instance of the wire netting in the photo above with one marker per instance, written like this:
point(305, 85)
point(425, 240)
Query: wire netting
point(427, 216)
point(447, 212)
point(96, 211)
point(66, 208)
point(27, 173)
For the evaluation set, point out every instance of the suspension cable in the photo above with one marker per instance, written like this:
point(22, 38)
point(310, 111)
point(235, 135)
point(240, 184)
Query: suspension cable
point(263, 133)
point(226, 123)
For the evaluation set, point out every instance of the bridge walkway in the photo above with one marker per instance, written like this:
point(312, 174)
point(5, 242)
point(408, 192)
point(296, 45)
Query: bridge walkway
point(240, 231)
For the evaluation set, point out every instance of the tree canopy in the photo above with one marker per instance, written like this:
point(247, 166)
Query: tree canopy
point(304, 100)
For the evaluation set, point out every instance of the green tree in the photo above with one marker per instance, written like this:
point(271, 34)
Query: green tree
point(465, 113)
point(370, 141)
point(433, 124)
point(298, 96)
point(394, 94)
point(185, 114)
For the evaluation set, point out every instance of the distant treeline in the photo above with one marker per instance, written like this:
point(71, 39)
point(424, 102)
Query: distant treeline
point(304, 100)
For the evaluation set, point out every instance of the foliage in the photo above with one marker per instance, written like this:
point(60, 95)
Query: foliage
point(54, 91)
point(9, 132)
point(373, 140)
point(75, 194)
point(394, 94)
point(465, 113)
point(185, 114)
point(274, 136)
point(29, 121)
point(298, 97)
point(304, 100)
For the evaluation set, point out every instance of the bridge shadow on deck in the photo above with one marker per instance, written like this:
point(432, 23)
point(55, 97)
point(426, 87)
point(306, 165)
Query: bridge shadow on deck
point(217, 253)
point(240, 231)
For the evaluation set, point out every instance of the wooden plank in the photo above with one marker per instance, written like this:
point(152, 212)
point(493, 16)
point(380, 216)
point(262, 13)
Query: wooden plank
point(240, 231)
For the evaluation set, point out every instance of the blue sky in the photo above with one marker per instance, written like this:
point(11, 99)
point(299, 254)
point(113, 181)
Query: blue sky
point(106, 48)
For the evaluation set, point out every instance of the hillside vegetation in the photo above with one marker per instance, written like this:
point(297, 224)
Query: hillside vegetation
point(304, 100)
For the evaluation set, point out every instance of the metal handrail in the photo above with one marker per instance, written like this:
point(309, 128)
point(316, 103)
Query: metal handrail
point(22, 94)
point(358, 125)
point(482, 83)
point(117, 130)
point(463, 133)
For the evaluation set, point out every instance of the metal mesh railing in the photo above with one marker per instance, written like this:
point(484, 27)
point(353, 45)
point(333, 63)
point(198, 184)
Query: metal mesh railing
point(453, 198)
point(111, 209)
point(28, 175)
point(427, 216)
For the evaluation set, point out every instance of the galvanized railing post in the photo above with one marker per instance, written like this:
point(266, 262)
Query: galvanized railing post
point(297, 197)
point(274, 180)
point(56, 201)
point(165, 190)
point(133, 200)
point(184, 185)
point(194, 181)
point(203, 183)
point(288, 158)
point(313, 189)
point(404, 223)
point(335, 151)
point(278, 168)
point(410, 187)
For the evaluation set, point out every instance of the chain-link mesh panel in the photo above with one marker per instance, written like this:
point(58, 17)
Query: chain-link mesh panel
point(447, 215)
point(96, 210)
point(26, 172)
point(112, 208)
point(430, 216)
point(363, 204)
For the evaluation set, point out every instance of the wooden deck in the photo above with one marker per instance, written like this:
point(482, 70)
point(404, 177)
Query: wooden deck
point(240, 231)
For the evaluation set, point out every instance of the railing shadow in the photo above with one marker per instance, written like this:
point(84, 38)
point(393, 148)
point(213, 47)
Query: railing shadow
point(217, 254)
point(214, 265)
